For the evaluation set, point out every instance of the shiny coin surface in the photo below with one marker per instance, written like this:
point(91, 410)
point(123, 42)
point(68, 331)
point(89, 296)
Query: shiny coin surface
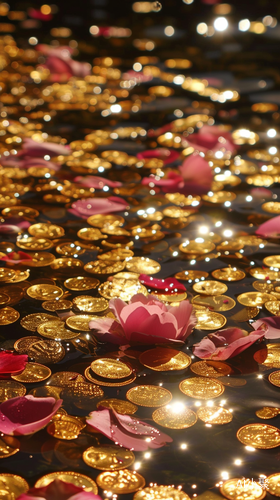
point(192, 247)
point(208, 320)
point(89, 304)
point(211, 368)
point(12, 486)
point(210, 288)
point(33, 372)
point(272, 484)
point(163, 359)
point(175, 416)
point(40, 259)
point(33, 243)
point(273, 306)
point(191, 275)
point(272, 261)
point(19, 276)
point(29, 213)
point(104, 267)
point(120, 406)
point(63, 379)
point(149, 395)
point(79, 322)
point(105, 220)
point(161, 492)
point(81, 283)
point(4, 299)
point(267, 412)
point(143, 265)
point(272, 207)
point(44, 292)
point(110, 368)
point(8, 315)
point(228, 274)
point(120, 482)
point(46, 230)
point(57, 305)
point(32, 321)
point(65, 427)
point(75, 478)
point(214, 415)
point(22, 345)
point(108, 382)
point(10, 389)
point(8, 446)
point(274, 378)
point(89, 234)
point(215, 302)
point(108, 457)
point(264, 273)
point(254, 299)
point(242, 489)
point(46, 352)
point(261, 436)
point(56, 330)
point(6, 274)
point(272, 359)
point(201, 387)
point(121, 288)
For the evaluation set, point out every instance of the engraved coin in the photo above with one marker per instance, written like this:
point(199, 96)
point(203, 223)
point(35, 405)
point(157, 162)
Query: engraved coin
point(210, 288)
point(211, 368)
point(149, 395)
point(89, 304)
point(272, 484)
point(215, 302)
point(254, 299)
point(32, 321)
point(8, 446)
point(143, 265)
point(242, 489)
point(40, 259)
point(208, 320)
point(108, 382)
point(33, 372)
point(79, 322)
point(12, 486)
point(22, 345)
point(272, 359)
point(272, 261)
point(274, 378)
point(56, 330)
point(267, 412)
point(121, 481)
point(261, 436)
point(121, 288)
point(214, 415)
point(10, 389)
point(6, 274)
point(44, 292)
point(102, 220)
point(161, 492)
point(75, 478)
point(163, 359)
point(228, 274)
point(33, 243)
point(65, 427)
point(192, 247)
point(201, 387)
point(264, 273)
point(81, 283)
point(63, 379)
point(46, 352)
point(120, 406)
point(175, 416)
point(191, 275)
point(46, 230)
point(108, 457)
point(104, 267)
point(57, 305)
point(110, 368)
point(89, 234)
point(8, 315)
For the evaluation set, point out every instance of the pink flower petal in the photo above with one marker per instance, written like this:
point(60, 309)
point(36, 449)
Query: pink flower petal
point(58, 490)
point(168, 284)
point(96, 182)
point(196, 170)
point(11, 362)
point(270, 326)
point(91, 206)
point(270, 228)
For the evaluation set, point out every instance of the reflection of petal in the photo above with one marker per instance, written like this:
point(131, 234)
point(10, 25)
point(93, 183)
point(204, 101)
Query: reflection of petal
point(58, 490)
point(270, 327)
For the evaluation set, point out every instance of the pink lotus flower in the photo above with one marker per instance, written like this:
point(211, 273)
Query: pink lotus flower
point(167, 155)
point(11, 363)
point(58, 490)
point(93, 181)
point(91, 206)
point(145, 320)
point(60, 64)
point(270, 228)
point(25, 414)
point(225, 344)
point(269, 326)
point(21, 161)
point(40, 149)
point(16, 257)
point(167, 285)
point(127, 431)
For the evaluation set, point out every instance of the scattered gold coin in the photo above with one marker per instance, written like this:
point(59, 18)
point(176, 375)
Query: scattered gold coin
point(174, 416)
point(108, 457)
point(261, 436)
point(201, 387)
point(214, 415)
point(149, 395)
point(120, 482)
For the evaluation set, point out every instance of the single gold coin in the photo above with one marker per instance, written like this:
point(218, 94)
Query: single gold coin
point(163, 359)
point(176, 212)
point(170, 297)
point(274, 378)
point(260, 180)
point(29, 213)
point(102, 220)
point(110, 368)
point(12, 486)
point(273, 356)
point(228, 274)
point(10, 389)
point(272, 207)
point(120, 406)
point(22, 345)
point(108, 457)
point(75, 478)
point(245, 314)
point(81, 283)
point(108, 382)
point(8, 315)
point(4, 299)
point(254, 299)
point(193, 247)
point(161, 492)
point(55, 329)
point(149, 395)
point(210, 287)
point(229, 246)
point(211, 368)
point(89, 304)
point(175, 416)
point(273, 306)
point(272, 484)
point(63, 379)
point(267, 412)
point(215, 303)
point(67, 265)
point(46, 352)
point(69, 249)
point(40, 259)
point(104, 267)
point(8, 446)
point(201, 387)
point(6, 274)
point(57, 305)
point(263, 286)
point(116, 254)
point(65, 427)
point(214, 415)
point(142, 265)
point(191, 275)
point(90, 234)
point(46, 230)
point(208, 320)
point(44, 292)
point(121, 288)
point(242, 489)
point(79, 322)
point(19, 276)
point(120, 481)
point(32, 321)
point(34, 243)
point(272, 261)
point(79, 392)
point(33, 372)
point(219, 197)
point(261, 436)
point(264, 273)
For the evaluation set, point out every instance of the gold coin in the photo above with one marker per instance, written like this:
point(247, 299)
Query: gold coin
point(10, 389)
point(32, 321)
point(104, 267)
point(105, 382)
point(173, 297)
point(120, 406)
point(254, 299)
point(19, 276)
point(162, 359)
point(201, 387)
point(121, 288)
point(89, 304)
point(65, 427)
point(262, 273)
point(116, 254)
point(33, 243)
point(57, 305)
point(219, 197)
point(8, 446)
point(44, 292)
point(55, 329)
point(90, 234)
point(29, 213)
point(175, 416)
point(46, 230)
point(64, 379)
point(267, 412)
point(161, 492)
point(245, 314)
point(6, 274)
point(110, 368)
point(272, 484)
point(215, 303)
point(102, 220)
point(143, 265)
point(149, 395)
point(242, 489)
point(260, 180)
point(228, 274)
point(261, 436)
point(67, 264)
point(40, 259)
point(68, 249)
point(263, 286)
point(21, 345)
point(208, 320)
point(214, 415)
point(210, 287)
point(79, 322)
point(196, 248)
point(108, 457)
point(272, 207)
point(120, 481)
point(8, 315)
point(272, 261)
point(273, 356)
point(273, 306)
point(211, 368)
point(233, 382)
point(75, 478)
point(274, 378)
point(12, 486)
point(81, 283)
point(46, 352)
point(176, 212)
point(191, 275)
point(33, 372)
